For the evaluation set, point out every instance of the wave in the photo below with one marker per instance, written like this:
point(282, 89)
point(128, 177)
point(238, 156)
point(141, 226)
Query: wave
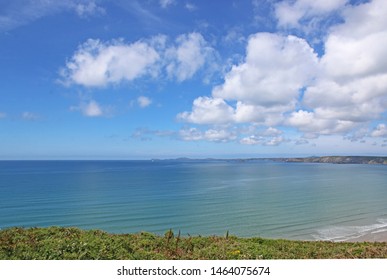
point(346, 233)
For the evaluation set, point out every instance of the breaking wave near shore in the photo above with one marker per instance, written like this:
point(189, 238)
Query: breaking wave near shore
point(352, 233)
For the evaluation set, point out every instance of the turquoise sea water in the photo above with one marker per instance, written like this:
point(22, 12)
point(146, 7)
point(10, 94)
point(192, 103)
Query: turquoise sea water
point(257, 198)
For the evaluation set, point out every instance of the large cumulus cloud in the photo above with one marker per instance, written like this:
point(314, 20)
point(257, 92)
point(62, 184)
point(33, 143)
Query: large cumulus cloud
point(283, 82)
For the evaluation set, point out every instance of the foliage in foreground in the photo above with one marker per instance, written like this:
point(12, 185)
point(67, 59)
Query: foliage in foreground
point(72, 243)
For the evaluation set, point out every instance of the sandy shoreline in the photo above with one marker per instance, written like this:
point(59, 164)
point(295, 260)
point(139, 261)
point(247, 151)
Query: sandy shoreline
point(371, 237)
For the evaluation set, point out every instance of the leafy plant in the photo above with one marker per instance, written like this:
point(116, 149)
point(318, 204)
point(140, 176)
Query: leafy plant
point(58, 243)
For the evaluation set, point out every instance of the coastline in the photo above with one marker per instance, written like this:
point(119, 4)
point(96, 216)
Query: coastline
point(373, 232)
point(378, 236)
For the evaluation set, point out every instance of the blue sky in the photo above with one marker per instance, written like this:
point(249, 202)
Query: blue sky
point(168, 78)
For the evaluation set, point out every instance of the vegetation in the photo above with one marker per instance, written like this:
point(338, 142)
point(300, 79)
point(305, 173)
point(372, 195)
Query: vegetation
point(72, 243)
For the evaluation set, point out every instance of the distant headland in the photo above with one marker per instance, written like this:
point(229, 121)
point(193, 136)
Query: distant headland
point(313, 159)
point(337, 159)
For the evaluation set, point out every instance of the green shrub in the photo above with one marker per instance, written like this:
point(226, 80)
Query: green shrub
point(56, 243)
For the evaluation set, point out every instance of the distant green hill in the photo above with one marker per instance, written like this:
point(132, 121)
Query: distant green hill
point(323, 159)
point(339, 159)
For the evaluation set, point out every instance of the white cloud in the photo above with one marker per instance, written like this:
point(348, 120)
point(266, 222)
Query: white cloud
point(272, 131)
point(166, 3)
point(225, 133)
point(380, 131)
point(208, 110)
point(275, 141)
point(3, 115)
point(190, 7)
point(20, 12)
point(268, 137)
point(283, 82)
point(234, 35)
point(88, 9)
point(97, 64)
point(144, 101)
point(275, 69)
point(287, 14)
point(251, 140)
point(351, 89)
point(212, 134)
point(260, 140)
point(191, 53)
point(267, 115)
point(145, 134)
point(264, 87)
point(301, 119)
point(358, 135)
point(312, 123)
point(29, 116)
point(219, 135)
point(301, 141)
point(355, 49)
point(191, 134)
point(91, 109)
point(291, 13)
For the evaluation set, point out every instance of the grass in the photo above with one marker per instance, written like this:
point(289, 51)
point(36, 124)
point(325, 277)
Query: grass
point(57, 243)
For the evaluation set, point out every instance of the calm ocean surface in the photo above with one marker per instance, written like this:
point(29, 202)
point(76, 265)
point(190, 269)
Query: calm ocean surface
point(259, 198)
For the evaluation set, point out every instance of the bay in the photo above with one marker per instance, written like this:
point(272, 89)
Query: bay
point(247, 198)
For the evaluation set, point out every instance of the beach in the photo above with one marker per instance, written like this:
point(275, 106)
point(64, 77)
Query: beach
point(380, 236)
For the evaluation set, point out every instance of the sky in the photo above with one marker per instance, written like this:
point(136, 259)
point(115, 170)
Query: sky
point(182, 78)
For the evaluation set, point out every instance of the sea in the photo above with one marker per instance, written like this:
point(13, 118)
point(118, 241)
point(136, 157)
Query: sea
point(254, 198)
